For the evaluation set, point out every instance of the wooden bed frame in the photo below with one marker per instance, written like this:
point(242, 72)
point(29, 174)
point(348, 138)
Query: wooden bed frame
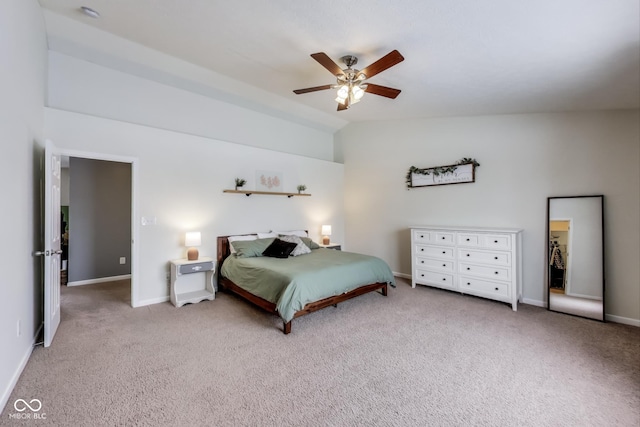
point(228, 285)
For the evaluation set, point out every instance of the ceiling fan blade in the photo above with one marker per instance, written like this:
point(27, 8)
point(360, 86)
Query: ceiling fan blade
point(341, 107)
point(387, 61)
point(327, 63)
point(388, 92)
point(312, 89)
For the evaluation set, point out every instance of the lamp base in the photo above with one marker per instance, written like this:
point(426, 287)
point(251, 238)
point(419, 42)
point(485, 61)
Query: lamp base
point(192, 254)
point(326, 240)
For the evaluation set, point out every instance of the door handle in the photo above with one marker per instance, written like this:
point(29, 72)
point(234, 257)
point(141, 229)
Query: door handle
point(41, 253)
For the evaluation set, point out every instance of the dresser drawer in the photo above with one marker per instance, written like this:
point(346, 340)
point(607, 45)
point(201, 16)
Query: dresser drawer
point(495, 272)
point(470, 239)
point(484, 287)
point(434, 264)
point(443, 238)
point(484, 257)
point(195, 267)
point(421, 236)
point(497, 241)
point(441, 280)
point(434, 251)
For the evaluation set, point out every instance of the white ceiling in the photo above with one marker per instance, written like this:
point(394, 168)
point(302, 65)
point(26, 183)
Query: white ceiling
point(462, 57)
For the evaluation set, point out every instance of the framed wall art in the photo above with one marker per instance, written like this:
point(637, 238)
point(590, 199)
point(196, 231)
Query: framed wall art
point(464, 171)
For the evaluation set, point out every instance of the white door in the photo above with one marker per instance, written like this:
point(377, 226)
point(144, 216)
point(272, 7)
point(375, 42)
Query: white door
point(52, 237)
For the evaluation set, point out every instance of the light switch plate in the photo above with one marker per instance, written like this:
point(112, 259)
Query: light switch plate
point(148, 220)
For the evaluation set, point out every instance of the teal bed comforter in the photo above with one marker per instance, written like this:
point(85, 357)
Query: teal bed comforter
point(291, 283)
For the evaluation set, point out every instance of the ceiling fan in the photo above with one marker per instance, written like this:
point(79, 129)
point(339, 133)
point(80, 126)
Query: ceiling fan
point(352, 83)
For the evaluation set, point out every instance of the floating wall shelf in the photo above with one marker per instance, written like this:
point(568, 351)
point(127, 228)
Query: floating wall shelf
point(270, 193)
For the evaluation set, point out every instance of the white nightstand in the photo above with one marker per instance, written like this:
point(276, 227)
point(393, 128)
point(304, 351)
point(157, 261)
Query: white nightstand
point(181, 267)
point(336, 246)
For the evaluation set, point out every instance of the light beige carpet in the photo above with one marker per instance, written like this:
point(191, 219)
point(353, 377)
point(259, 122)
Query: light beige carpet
point(419, 357)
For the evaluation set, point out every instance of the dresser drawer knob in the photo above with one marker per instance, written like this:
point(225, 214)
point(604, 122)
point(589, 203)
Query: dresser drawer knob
point(496, 289)
point(444, 265)
point(442, 237)
point(421, 249)
point(495, 257)
point(468, 240)
point(444, 279)
point(422, 236)
point(497, 272)
point(421, 261)
point(468, 268)
point(495, 241)
point(468, 283)
point(468, 254)
point(444, 252)
point(422, 275)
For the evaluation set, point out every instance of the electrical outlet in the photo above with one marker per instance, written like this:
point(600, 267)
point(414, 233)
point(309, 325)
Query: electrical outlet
point(123, 260)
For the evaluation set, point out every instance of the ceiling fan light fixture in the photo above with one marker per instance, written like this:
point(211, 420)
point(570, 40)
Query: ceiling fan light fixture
point(357, 92)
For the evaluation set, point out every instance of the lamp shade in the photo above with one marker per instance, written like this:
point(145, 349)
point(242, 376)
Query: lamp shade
point(326, 230)
point(192, 238)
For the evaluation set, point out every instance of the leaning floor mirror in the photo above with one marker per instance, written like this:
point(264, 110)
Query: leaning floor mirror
point(575, 254)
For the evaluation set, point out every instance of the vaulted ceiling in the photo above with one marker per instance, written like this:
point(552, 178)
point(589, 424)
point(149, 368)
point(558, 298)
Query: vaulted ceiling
point(462, 57)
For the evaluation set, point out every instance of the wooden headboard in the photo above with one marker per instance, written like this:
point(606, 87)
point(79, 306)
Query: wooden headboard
point(224, 250)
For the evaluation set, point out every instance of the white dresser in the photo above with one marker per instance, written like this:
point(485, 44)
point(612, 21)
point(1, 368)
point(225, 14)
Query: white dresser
point(484, 262)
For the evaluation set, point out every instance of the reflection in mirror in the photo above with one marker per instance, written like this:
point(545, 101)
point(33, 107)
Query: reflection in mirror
point(575, 279)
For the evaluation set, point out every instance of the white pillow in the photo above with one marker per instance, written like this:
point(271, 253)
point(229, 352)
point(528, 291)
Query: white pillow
point(300, 249)
point(237, 239)
point(267, 235)
point(299, 233)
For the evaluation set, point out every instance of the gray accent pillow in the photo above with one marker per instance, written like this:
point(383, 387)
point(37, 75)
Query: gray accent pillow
point(251, 248)
point(307, 241)
point(300, 249)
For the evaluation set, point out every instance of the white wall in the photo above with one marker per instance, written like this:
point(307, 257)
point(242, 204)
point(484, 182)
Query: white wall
point(524, 159)
point(84, 87)
point(180, 180)
point(23, 62)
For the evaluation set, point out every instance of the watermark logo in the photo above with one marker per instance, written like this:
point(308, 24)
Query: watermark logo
point(28, 410)
point(21, 405)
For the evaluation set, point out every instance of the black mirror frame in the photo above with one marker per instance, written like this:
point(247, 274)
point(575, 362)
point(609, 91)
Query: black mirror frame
point(548, 272)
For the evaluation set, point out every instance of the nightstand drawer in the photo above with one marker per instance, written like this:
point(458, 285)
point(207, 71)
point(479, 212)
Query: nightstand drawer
point(195, 267)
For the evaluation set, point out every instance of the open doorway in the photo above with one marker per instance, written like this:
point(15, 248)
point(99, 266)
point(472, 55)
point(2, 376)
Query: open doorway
point(97, 211)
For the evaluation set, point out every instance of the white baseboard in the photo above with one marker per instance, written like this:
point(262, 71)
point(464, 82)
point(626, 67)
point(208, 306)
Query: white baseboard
point(99, 280)
point(623, 320)
point(16, 375)
point(402, 275)
point(537, 303)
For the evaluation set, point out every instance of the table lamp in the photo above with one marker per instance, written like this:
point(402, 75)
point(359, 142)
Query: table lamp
point(326, 232)
point(192, 239)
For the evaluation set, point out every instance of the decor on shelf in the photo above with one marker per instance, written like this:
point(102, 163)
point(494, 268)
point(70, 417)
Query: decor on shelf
point(269, 193)
point(240, 183)
point(462, 171)
point(326, 232)
point(191, 240)
point(268, 181)
point(301, 188)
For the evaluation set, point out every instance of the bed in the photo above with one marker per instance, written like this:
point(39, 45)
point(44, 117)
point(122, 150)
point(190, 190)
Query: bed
point(297, 285)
